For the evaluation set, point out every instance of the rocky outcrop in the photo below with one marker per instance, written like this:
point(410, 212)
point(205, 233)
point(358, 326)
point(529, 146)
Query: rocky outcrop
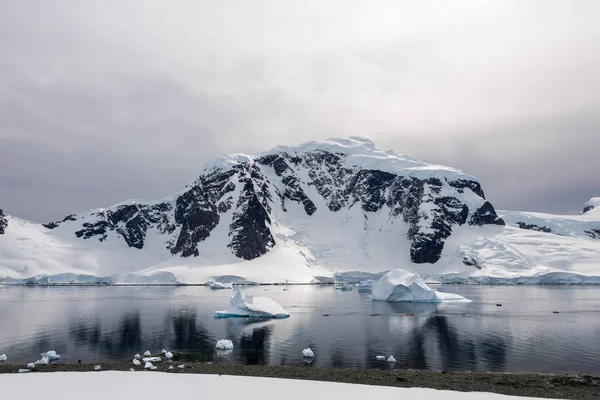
point(246, 196)
point(593, 233)
point(534, 227)
point(3, 222)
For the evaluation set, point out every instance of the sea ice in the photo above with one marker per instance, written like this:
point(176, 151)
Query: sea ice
point(151, 359)
point(147, 353)
point(224, 344)
point(31, 365)
point(401, 285)
point(136, 362)
point(308, 353)
point(51, 355)
point(168, 355)
point(149, 366)
point(42, 361)
point(3, 357)
point(246, 306)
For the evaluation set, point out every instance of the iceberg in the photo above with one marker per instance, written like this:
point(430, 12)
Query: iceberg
point(366, 286)
point(3, 357)
point(224, 344)
point(248, 306)
point(392, 359)
point(51, 355)
point(218, 285)
point(401, 285)
point(345, 287)
point(308, 353)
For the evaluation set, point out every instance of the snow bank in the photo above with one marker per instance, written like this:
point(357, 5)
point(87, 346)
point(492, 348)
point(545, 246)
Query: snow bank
point(401, 285)
point(224, 344)
point(181, 386)
point(249, 306)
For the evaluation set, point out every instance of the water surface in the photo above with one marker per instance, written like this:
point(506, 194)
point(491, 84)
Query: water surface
point(96, 324)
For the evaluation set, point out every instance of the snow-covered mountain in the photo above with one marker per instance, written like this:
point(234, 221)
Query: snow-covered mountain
point(296, 213)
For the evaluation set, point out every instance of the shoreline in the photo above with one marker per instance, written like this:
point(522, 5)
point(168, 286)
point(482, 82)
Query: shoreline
point(514, 384)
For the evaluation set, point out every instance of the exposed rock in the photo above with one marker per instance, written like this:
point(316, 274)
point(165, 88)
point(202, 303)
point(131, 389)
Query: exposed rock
point(593, 233)
point(533, 227)
point(3, 222)
point(470, 261)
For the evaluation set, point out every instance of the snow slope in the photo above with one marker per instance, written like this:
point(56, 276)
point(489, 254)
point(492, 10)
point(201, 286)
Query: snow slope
point(294, 213)
point(129, 385)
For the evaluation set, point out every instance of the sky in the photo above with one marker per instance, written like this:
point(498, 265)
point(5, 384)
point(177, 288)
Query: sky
point(107, 100)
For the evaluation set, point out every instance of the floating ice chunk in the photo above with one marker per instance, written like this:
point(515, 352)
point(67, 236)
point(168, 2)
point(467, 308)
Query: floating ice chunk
point(219, 285)
point(380, 358)
point(31, 365)
point(149, 366)
point(171, 367)
point(366, 286)
point(247, 306)
point(224, 344)
point(42, 361)
point(137, 356)
point(345, 287)
point(151, 359)
point(147, 353)
point(136, 362)
point(3, 357)
point(51, 355)
point(401, 285)
point(98, 368)
point(392, 359)
point(22, 371)
point(308, 353)
point(168, 355)
point(181, 366)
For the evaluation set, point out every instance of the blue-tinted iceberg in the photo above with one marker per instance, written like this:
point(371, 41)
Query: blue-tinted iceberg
point(248, 306)
point(401, 285)
point(366, 286)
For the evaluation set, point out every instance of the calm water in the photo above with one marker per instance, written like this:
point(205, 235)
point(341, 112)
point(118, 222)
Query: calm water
point(113, 323)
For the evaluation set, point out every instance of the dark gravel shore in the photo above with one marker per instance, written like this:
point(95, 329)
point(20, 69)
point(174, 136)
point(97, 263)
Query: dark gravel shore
point(530, 385)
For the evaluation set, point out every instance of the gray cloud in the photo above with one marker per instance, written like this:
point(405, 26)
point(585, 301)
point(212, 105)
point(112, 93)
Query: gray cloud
point(101, 101)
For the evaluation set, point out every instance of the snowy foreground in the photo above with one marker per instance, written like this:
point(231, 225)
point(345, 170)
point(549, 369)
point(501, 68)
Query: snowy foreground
point(129, 385)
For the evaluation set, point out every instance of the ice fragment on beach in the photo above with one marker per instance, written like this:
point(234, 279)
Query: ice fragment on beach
point(147, 354)
point(98, 368)
point(51, 355)
point(171, 367)
point(168, 355)
point(149, 366)
point(42, 361)
point(22, 371)
point(31, 365)
point(224, 344)
point(136, 362)
point(151, 359)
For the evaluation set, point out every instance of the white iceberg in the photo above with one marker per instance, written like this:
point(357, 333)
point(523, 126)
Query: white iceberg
point(51, 355)
point(137, 356)
point(380, 358)
point(149, 366)
point(392, 359)
point(224, 344)
point(147, 353)
point(401, 285)
point(247, 306)
point(136, 362)
point(42, 361)
point(98, 368)
point(151, 359)
point(3, 357)
point(168, 355)
point(31, 365)
point(308, 353)
point(219, 285)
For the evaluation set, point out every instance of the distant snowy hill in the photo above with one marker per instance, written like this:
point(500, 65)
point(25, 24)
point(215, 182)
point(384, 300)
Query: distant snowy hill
point(296, 213)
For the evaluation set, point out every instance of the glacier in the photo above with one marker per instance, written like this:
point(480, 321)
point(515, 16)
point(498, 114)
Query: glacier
point(404, 286)
point(338, 210)
point(248, 306)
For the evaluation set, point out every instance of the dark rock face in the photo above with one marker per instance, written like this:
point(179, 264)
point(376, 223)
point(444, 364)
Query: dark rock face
point(533, 227)
point(587, 208)
point(3, 222)
point(470, 261)
point(593, 233)
point(246, 195)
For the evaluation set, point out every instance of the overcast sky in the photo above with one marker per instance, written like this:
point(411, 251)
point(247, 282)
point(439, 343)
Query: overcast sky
point(106, 100)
